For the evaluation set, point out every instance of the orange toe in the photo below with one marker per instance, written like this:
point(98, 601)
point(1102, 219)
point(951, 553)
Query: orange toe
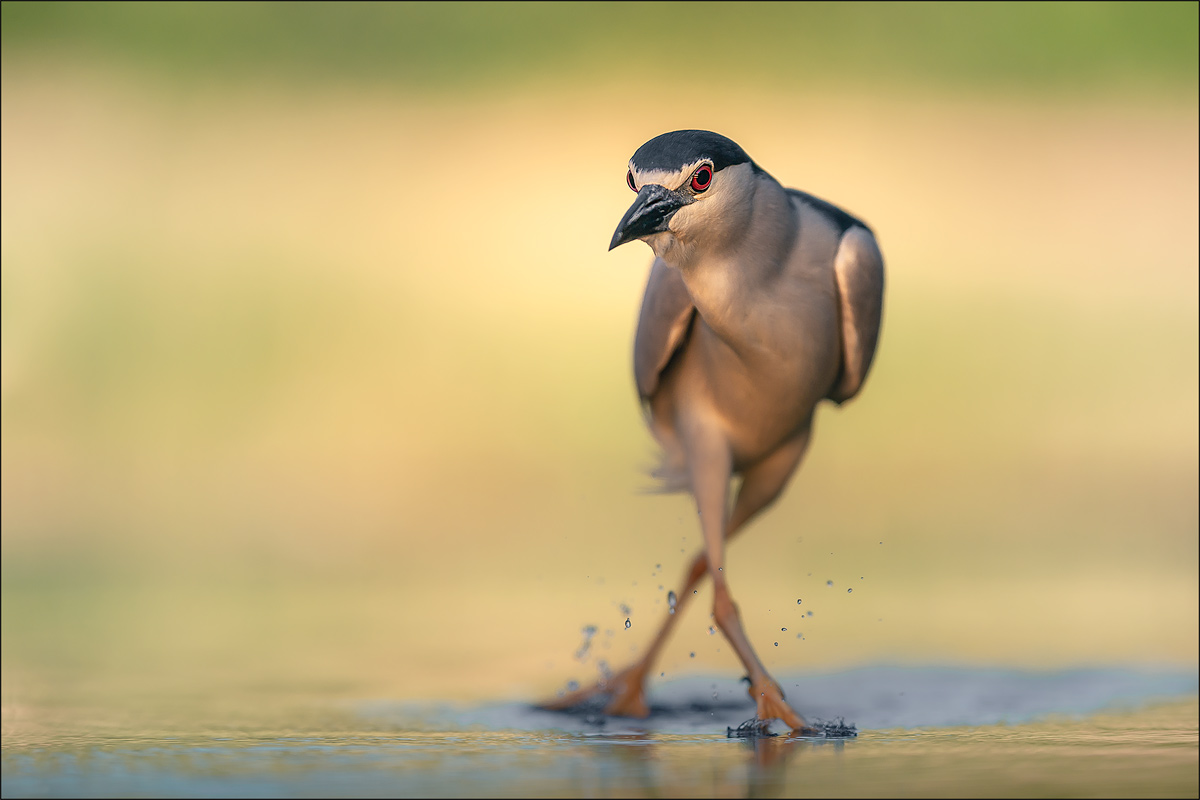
point(768, 697)
point(625, 692)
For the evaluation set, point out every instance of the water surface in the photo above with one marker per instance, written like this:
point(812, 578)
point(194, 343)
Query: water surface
point(921, 732)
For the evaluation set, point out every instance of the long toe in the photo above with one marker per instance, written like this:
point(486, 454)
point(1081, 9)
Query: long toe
point(625, 692)
point(628, 692)
point(769, 699)
point(571, 699)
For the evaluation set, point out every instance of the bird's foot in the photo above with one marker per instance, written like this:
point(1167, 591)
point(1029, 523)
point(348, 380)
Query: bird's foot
point(768, 698)
point(625, 692)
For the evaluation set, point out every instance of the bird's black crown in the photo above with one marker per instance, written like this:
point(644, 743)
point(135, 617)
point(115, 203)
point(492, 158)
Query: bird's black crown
point(672, 151)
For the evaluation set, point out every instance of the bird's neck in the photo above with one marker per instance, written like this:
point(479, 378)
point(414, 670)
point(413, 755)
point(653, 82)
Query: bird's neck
point(727, 283)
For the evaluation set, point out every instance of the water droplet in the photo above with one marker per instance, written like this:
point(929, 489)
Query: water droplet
point(628, 624)
point(662, 674)
point(695, 591)
point(783, 629)
point(829, 583)
point(625, 609)
point(810, 613)
point(848, 591)
point(777, 644)
point(572, 685)
point(691, 655)
point(711, 630)
point(799, 601)
point(715, 695)
point(799, 635)
point(658, 566)
point(672, 601)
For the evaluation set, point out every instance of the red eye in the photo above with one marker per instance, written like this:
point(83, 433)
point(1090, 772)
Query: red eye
point(701, 178)
point(629, 180)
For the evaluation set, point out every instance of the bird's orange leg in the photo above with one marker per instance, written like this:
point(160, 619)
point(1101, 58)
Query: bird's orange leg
point(761, 485)
point(710, 479)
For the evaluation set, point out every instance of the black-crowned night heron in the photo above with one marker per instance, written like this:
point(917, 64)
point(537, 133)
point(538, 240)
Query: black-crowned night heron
point(762, 301)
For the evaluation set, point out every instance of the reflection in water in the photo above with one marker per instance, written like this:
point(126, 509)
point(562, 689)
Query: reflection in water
point(771, 761)
point(768, 764)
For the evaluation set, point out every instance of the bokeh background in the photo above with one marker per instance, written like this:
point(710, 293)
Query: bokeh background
point(316, 371)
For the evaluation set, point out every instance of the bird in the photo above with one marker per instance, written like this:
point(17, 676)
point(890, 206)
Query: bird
point(761, 302)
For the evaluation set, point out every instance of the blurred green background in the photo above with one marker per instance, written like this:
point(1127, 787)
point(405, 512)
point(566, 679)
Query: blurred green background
point(316, 372)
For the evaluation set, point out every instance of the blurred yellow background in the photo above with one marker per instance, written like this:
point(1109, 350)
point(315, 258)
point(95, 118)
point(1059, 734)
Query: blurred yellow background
point(316, 371)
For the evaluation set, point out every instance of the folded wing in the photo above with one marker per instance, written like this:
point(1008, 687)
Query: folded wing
point(859, 269)
point(663, 326)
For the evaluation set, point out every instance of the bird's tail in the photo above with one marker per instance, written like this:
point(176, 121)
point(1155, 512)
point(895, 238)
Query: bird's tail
point(670, 474)
point(668, 480)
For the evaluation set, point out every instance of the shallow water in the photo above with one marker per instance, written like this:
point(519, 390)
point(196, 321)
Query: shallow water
point(921, 732)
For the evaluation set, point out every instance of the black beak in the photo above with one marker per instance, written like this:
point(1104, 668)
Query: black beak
point(650, 213)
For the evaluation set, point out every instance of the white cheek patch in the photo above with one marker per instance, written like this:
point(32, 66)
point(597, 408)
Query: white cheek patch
point(694, 214)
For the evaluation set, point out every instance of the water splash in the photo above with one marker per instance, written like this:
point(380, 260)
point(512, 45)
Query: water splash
point(588, 632)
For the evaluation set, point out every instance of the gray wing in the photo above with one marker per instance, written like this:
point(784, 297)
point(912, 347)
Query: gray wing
point(859, 269)
point(663, 326)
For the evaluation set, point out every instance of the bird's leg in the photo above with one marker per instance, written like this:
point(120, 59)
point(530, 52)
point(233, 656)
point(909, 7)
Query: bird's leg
point(767, 695)
point(626, 689)
point(761, 485)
